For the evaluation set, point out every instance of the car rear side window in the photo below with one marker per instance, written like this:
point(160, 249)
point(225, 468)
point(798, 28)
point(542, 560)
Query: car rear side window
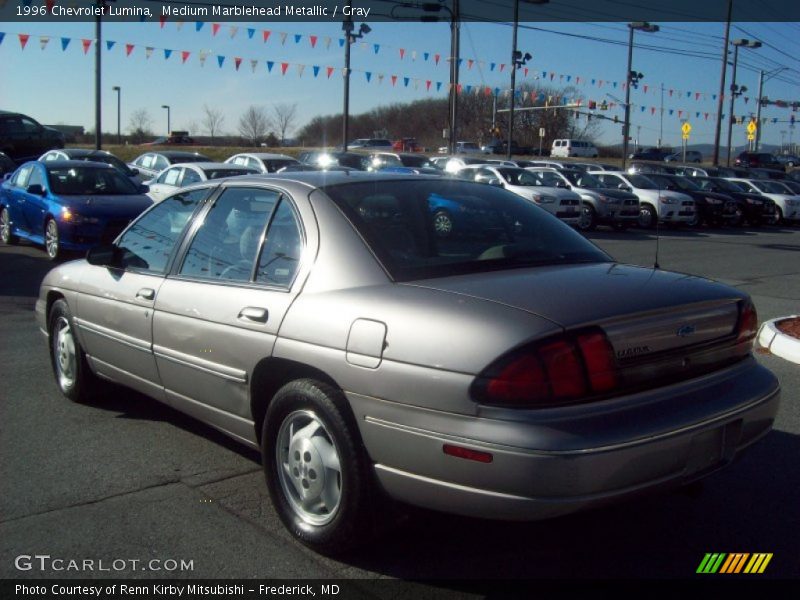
point(437, 228)
point(226, 244)
point(282, 248)
point(150, 241)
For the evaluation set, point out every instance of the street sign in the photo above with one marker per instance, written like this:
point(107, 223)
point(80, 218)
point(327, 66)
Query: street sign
point(686, 129)
point(751, 128)
point(685, 136)
point(750, 136)
point(541, 131)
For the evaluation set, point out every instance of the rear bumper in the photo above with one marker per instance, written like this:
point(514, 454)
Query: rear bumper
point(556, 461)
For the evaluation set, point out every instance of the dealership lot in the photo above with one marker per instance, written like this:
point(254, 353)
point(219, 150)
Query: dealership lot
point(133, 480)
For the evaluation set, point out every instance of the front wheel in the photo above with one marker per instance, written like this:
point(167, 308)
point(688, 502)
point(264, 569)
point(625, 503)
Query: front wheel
point(442, 223)
point(73, 375)
point(647, 216)
point(696, 220)
point(52, 240)
point(5, 228)
point(777, 219)
point(315, 466)
point(588, 219)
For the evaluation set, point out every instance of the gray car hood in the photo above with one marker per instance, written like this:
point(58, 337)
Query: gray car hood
point(576, 295)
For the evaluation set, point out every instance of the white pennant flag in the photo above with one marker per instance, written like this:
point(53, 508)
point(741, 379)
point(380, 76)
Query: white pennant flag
point(283, 38)
point(43, 40)
point(148, 52)
point(300, 69)
point(234, 31)
point(253, 64)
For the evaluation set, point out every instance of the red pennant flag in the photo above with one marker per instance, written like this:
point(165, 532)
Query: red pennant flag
point(428, 85)
point(670, 93)
point(458, 88)
point(86, 45)
point(214, 28)
point(680, 112)
point(402, 53)
point(284, 66)
point(394, 79)
point(128, 49)
point(487, 91)
point(185, 55)
point(329, 70)
point(551, 76)
point(502, 66)
point(644, 87)
point(313, 40)
point(697, 95)
point(436, 58)
point(525, 70)
point(23, 39)
point(470, 62)
point(237, 61)
point(265, 34)
point(162, 20)
point(652, 110)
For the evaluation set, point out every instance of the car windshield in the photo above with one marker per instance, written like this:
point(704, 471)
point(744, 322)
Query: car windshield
point(678, 183)
point(517, 176)
point(184, 158)
point(771, 187)
point(723, 184)
point(415, 161)
point(109, 159)
point(219, 173)
point(582, 180)
point(438, 228)
point(641, 182)
point(71, 181)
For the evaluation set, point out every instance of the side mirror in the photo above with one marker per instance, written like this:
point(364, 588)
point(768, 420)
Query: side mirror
point(495, 182)
point(623, 187)
point(562, 184)
point(102, 256)
point(143, 189)
point(134, 171)
point(36, 189)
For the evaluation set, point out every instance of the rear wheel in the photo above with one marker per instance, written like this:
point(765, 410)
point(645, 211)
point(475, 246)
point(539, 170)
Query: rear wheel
point(315, 466)
point(5, 228)
point(696, 220)
point(738, 217)
point(442, 223)
point(647, 216)
point(778, 218)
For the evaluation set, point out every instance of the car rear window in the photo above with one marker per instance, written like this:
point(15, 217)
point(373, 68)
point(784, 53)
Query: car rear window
point(437, 228)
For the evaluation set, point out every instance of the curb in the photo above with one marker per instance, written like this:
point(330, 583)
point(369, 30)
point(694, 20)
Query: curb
point(775, 342)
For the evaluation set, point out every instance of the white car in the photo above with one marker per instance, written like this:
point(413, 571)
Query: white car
point(263, 162)
point(463, 148)
point(561, 202)
point(181, 175)
point(655, 205)
point(787, 204)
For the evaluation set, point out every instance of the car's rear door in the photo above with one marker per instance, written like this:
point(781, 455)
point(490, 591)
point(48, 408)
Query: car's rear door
point(219, 314)
point(114, 311)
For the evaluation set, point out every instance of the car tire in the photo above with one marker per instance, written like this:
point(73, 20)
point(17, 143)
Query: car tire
point(52, 240)
point(647, 216)
point(778, 218)
point(588, 219)
point(442, 223)
point(696, 221)
point(738, 218)
point(5, 229)
point(70, 367)
point(316, 467)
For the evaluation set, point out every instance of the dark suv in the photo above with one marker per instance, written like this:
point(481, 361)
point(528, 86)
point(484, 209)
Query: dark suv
point(758, 159)
point(22, 138)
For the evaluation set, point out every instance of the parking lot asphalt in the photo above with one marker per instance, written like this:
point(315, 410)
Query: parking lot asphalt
point(131, 479)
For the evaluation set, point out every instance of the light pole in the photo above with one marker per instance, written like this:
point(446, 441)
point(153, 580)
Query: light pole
point(632, 78)
point(736, 90)
point(721, 95)
point(350, 38)
point(762, 77)
point(117, 89)
point(98, 40)
point(517, 60)
point(168, 126)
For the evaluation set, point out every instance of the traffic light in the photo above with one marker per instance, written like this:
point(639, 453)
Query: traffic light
point(592, 105)
point(604, 105)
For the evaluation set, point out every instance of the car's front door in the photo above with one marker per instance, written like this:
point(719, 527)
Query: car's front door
point(115, 305)
point(218, 315)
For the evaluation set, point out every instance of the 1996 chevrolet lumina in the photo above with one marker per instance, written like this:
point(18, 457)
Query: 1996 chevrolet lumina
point(502, 367)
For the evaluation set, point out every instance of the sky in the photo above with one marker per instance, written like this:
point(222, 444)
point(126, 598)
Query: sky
point(55, 84)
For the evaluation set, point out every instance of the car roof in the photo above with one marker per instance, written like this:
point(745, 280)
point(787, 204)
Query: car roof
point(212, 165)
point(323, 178)
point(173, 153)
point(264, 155)
point(79, 152)
point(60, 164)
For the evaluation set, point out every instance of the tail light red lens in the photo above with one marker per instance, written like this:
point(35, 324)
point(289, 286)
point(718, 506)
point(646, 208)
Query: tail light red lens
point(561, 369)
point(747, 327)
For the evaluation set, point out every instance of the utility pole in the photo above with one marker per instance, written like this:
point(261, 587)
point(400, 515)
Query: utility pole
point(661, 120)
point(721, 96)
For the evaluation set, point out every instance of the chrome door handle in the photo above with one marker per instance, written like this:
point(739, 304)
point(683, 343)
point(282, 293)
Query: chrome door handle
point(253, 313)
point(146, 294)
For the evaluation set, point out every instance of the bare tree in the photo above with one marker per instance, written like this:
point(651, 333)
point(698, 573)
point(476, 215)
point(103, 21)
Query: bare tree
point(212, 121)
point(140, 125)
point(253, 124)
point(285, 115)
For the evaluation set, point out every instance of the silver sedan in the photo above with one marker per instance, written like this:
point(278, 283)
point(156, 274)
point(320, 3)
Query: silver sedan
point(503, 368)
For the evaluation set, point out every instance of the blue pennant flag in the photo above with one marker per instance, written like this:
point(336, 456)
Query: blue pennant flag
point(492, 66)
point(438, 85)
point(270, 64)
point(376, 47)
point(251, 32)
point(426, 55)
point(198, 25)
point(297, 38)
point(405, 81)
point(167, 53)
point(220, 60)
point(65, 42)
point(109, 43)
point(369, 75)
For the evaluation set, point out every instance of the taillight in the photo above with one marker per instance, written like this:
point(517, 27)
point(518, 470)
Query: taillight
point(747, 327)
point(561, 369)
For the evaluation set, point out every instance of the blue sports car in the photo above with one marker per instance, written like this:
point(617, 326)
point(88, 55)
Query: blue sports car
point(67, 205)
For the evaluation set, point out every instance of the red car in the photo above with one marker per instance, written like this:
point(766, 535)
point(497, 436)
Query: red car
point(406, 145)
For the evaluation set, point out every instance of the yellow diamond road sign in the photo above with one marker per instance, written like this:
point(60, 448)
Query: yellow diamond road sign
point(751, 127)
point(686, 128)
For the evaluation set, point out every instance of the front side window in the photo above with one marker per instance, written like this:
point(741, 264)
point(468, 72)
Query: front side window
point(21, 178)
point(150, 241)
point(36, 178)
point(226, 244)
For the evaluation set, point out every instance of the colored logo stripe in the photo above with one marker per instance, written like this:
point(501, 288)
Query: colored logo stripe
point(721, 562)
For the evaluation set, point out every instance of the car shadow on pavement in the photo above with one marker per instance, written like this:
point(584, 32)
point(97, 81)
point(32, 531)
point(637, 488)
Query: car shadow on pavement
point(752, 506)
